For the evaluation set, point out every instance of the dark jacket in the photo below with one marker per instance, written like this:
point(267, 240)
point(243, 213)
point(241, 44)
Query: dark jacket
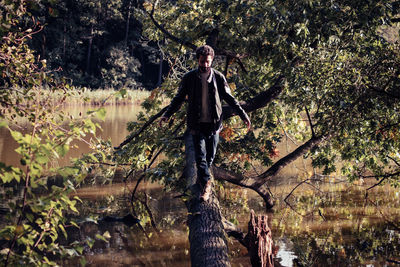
point(218, 90)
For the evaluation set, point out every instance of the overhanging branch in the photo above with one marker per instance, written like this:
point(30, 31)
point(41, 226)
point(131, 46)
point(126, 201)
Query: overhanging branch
point(168, 34)
point(147, 124)
point(257, 102)
point(258, 183)
point(280, 164)
point(218, 51)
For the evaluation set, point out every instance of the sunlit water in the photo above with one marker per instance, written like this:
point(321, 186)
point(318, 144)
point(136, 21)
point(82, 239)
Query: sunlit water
point(342, 230)
point(114, 128)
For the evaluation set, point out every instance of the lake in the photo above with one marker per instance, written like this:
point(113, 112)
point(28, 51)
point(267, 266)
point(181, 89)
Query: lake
point(325, 221)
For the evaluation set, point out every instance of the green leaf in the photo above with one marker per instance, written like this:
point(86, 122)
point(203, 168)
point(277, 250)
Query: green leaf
point(79, 249)
point(100, 237)
point(16, 135)
point(67, 171)
point(42, 159)
point(101, 113)
point(63, 230)
point(83, 261)
point(62, 150)
point(107, 235)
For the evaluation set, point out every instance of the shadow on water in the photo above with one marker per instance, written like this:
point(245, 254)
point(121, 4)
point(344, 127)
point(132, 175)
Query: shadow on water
point(128, 243)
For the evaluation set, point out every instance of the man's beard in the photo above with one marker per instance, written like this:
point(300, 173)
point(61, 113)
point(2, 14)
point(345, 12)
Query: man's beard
point(204, 69)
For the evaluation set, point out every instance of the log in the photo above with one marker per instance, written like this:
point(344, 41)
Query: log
point(208, 228)
point(208, 244)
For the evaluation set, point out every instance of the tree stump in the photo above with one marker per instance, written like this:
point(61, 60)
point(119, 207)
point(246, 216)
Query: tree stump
point(259, 241)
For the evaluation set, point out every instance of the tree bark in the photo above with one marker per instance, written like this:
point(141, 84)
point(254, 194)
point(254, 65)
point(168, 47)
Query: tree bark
point(64, 42)
point(258, 101)
point(207, 227)
point(127, 23)
point(259, 240)
point(89, 54)
point(208, 244)
point(160, 70)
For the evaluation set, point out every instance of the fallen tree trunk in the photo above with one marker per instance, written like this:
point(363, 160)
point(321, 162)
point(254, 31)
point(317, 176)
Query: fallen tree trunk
point(208, 228)
point(208, 244)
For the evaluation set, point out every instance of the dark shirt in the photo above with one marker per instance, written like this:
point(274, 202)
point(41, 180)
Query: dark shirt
point(218, 89)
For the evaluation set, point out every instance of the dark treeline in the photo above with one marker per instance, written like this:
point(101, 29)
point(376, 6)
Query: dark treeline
point(97, 44)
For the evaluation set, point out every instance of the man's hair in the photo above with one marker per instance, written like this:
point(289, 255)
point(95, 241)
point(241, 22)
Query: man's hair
point(204, 50)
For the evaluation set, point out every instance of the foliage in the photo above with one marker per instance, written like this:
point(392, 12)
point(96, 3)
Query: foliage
point(341, 80)
point(36, 196)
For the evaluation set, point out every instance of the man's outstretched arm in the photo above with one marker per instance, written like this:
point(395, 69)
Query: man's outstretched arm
point(176, 102)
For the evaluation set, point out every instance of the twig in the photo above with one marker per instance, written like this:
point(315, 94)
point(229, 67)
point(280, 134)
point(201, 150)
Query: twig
point(395, 161)
point(146, 205)
point(150, 121)
point(378, 183)
point(384, 177)
point(294, 189)
point(129, 174)
point(109, 164)
point(393, 261)
point(310, 122)
point(306, 181)
point(384, 216)
point(286, 134)
point(44, 230)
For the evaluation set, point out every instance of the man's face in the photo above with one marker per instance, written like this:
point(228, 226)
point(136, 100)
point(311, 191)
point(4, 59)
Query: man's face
point(205, 63)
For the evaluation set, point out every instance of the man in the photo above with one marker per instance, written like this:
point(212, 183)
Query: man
point(205, 87)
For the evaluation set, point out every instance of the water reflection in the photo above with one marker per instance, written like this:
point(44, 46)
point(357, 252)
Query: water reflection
point(338, 226)
point(355, 236)
point(285, 255)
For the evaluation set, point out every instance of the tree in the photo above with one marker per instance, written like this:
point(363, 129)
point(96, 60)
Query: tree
point(316, 71)
point(95, 43)
point(31, 99)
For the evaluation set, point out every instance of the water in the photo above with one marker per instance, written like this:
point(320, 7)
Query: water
point(114, 128)
point(332, 226)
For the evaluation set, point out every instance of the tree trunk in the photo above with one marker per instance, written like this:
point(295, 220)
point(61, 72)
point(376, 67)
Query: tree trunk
point(43, 45)
point(259, 240)
point(207, 227)
point(64, 43)
point(160, 70)
point(89, 54)
point(127, 23)
point(208, 245)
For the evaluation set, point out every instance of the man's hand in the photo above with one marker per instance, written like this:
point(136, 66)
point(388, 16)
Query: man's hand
point(248, 124)
point(162, 120)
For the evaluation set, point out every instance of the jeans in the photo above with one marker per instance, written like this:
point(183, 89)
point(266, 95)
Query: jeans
point(205, 147)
